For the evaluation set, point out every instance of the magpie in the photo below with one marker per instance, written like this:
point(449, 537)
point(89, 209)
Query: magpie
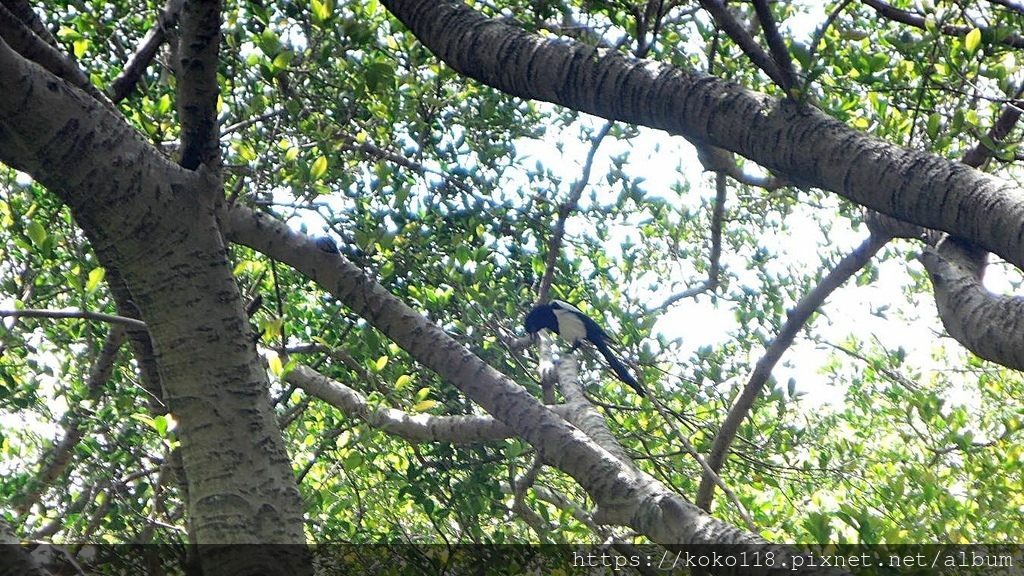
point(574, 326)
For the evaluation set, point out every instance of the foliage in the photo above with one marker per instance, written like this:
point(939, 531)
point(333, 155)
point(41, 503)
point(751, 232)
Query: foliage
point(337, 120)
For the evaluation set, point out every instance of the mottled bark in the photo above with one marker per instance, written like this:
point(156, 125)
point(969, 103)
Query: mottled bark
point(197, 84)
point(623, 494)
point(799, 142)
point(989, 325)
point(153, 222)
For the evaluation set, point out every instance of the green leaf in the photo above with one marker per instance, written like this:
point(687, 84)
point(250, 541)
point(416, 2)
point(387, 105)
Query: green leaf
point(972, 40)
point(96, 275)
point(321, 10)
point(145, 419)
point(379, 76)
point(934, 123)
point(318, 168)
point(160, 424)
point(247, 152)
point(282, 60)
point(353, 461)
point(424, 405)
point(819, 526)
point(403, 381)
point(275, 365)
point(36, 233)
point(164, 104)
point(80, 47)
point(269, 42)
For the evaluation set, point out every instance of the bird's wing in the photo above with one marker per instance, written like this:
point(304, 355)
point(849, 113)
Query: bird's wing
point(566, 306)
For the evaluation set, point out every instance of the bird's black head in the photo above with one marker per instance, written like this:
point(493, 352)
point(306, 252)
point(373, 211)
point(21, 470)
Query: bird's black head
point(541, 317)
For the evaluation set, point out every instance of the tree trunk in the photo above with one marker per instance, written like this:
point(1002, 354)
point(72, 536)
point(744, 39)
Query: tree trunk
point(153, 222)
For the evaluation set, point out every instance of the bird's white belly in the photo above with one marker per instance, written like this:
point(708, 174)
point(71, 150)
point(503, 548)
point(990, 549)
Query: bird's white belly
point(570, 326)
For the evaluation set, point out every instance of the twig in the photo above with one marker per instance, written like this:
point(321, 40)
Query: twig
point(798, 316)
point(567, 207)
point(84, 314)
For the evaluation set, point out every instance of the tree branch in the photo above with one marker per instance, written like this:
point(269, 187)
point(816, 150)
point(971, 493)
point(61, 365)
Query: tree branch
point(801, 143)
point(624, 496)
point(714, 259)
point(84, 314)
point(15, 559)
point(798, 316)
point(720, 12)
point(137, 64)
point(1011, 4)
point(21, 37)
point(905, 17)
point(22, 9)
point(554, 244)
point(777, 46)
point(957, 268)
point(140, 340)
point(1008, 118)
point(197, 84)
point(57, 456)
point(412, 427)
point(988, 325)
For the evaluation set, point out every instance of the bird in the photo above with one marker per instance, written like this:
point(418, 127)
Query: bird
point(574, 326)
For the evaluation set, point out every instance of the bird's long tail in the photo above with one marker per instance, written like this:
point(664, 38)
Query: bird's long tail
point(619, 369)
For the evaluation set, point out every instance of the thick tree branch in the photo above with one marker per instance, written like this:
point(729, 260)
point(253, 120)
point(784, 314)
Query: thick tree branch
point(22, 9)
point(137, 64)
point(15, 559)
point(624, 496)
point(197, 84)
point(988, 325)
point(582, 414)
point(21, 37)
point(955, 264)
point(961, 299)
point(153, 222)
point(725, 20)
point(803, 144)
